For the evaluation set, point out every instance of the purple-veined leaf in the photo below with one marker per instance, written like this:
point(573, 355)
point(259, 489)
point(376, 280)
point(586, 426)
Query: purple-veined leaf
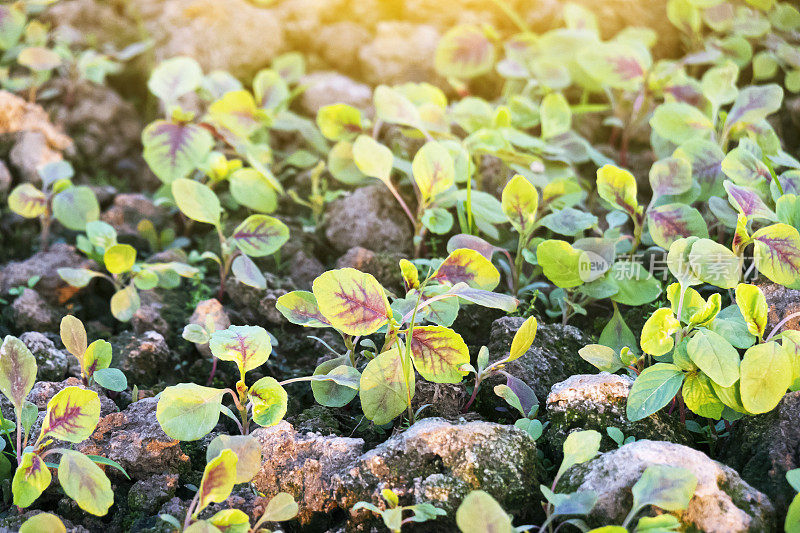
point(269, 401)
point(744, 168)
point(473, 242)
point(777, 254)
point(270, 90)
point(470, 267)
point(173, 150)
point(464, 52)
point(520, 201)
point(617, 186)
point(175, 77)
point(706, 158)
point(670, 176)
point(236, 112)
point(17, 370)
point(352, 301)
point(438, 353)
point(248, 346)
point(27, 201)
point(527, 398)
point(678, 122)
point(747, 202)
point(754, 104)
point(300, 307)
point(30, 479)
point(617, 64)
point(72, 414)
point(260, 235)
point(668, 223)
point(383, 388)
point(85, 482)
point(218, 480)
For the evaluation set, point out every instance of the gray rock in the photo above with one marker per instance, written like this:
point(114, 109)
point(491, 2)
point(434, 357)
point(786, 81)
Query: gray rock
point(303, 465)
point(782, 303)
point(13, 521)
point(135, 440)
point(384, 266)
point(441, 462)
point(552, 357)
point(326, 88)
point(147, 495)
point(129, 209)
point(30, 152)
point(210, 311)
point(369, 217)
point(764, 447)
point(52, 363)
point(598, 401)
point(149, 318)
point(45, 265)
point(31, 312)
point(399, 53)
point(722, 503)
point(144, 358)
point(304, 269)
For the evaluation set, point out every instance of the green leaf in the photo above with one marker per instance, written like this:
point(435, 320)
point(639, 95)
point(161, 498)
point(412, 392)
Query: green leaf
point(579, 447)
point(339, 122)
point(75, 207)
point(111, 378)
point(280, 508)
point(270, 401)
point(85, 482)
point(119, 258)
point(719, 84)
point(777, 254)
point(556, 115)
point(667, 487)
point(384, 394)
point(714, 263)
point(438, 220)
point(248, 346)
point(174, 150)
point(636, 285)
point(679, 122)
point(480, 513)
point(616, 64)
point(251, 189)
point(96, 357)
point(438, 353)
point(260, 235)
point(433, 170)
point(17, 370)
point(72, 414)
point(270, 90)
point(352, 301)
point(12, 25)
point(330, 393)
point(124, 303)
point(101, 234)
point(560, 263)
point(601, 357)
point(187, 411)
point(699, 397)
point(766, 373)
point(653, 389)
point(372, 158)
point(569, 221)
point(196, 201)
point(174, 78)
point(715, 356)
point(520, 200)
point(617, 335)
point(77, 277)
point(464, 52)
point(30, 479)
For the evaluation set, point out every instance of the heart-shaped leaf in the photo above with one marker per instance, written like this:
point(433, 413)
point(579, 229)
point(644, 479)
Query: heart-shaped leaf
point(352, 301)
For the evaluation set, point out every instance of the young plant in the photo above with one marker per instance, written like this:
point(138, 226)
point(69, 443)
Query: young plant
point(72, 416)
point(95, 358)
point(188, 412)
point(126, 274)
point(72, 205)
point(393, 516)
point(230, 461)
point(792, 522)
point(16, 291)
point(356, 305)
point(256, 236)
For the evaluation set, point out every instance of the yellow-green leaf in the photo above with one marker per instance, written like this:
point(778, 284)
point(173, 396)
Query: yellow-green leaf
point(468, 266)
point(383, 387)
point(657, 332)
point(617, 187)
point(433, 169)
point(438, 353)
point(247, 449)
point(119, 258)
point(43, 522)
point(218, 480)
point(30, 479)
point(248, 346)
point(339, 122)
point(231, 521)
point(196, 201)
point(187, 411)
point(520, 201)
point(777, 254)
point(27, 201)
point(766, 373)
point(17, 370)
point(72, 414)
point(124, 303)
point(260, 235)
point(560, 262)
point(753, 305)
point(300, 307)
point(352, 301)
point(372, 158)
point(523, 338)
point(73, 335)
point(269, 401)
point(85, 482)
point(251, 189)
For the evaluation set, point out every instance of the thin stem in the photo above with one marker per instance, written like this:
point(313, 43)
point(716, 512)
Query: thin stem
point(188, 520)
point(402, 202)
point(474, 394)
point(511, 14)
point(780, 324)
